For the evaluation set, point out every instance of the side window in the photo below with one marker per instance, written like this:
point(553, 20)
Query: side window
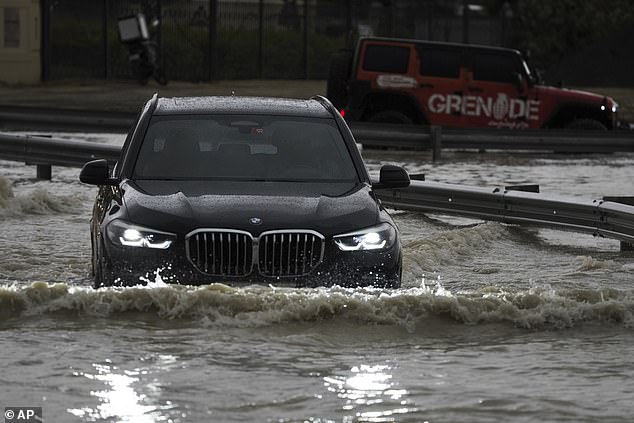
point(495, 67)
point(383, 58)
point(441, 62)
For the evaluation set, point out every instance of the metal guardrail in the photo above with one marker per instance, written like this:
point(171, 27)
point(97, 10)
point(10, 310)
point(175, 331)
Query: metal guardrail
point(366, 133)
point(32, 118)
point(609, 219)
point(425, 137)
point(45, 152)
point(598, 217)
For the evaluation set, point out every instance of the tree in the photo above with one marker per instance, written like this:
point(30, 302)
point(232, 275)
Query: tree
point(552, 29)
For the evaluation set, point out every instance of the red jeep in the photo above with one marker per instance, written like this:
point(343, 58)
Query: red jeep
point(456, 85)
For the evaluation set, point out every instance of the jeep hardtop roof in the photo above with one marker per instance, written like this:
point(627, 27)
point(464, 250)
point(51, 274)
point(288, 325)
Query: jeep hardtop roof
point(241, 105)
point(441, 43)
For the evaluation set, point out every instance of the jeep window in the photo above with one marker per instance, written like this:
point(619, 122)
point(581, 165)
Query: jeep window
point(495, 67)
point(384, 58)
point(253, 147)
point(440, 62)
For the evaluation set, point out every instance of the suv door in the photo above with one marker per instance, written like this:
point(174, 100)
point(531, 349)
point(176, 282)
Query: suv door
point(497, 93)
point(441, 82)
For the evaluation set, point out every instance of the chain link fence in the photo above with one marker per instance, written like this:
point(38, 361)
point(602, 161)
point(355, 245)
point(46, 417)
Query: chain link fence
point(202, 40)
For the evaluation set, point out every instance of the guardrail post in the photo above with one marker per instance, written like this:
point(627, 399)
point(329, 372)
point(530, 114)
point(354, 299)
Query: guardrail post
point(436, 142)
point(627, 246)
point(44, 172)
point(628, 200)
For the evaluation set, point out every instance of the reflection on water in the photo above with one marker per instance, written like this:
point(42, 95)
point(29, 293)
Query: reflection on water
point(121, 400)
point(371, 393)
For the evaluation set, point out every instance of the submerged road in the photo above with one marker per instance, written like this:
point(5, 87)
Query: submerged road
point(493, 322)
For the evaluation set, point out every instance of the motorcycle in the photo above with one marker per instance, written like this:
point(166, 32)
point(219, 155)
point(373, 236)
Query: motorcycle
point(143, 50)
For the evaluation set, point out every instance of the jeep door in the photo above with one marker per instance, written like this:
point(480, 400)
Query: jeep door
point(441, 82)
point(497, 92)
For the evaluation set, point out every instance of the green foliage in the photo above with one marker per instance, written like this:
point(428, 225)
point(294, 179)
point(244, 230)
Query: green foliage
point(75, 48)
point(238, 50)
point(185, 52)
point(237, 54)
point(321, 49)
point(552, 29)
point(283, 54)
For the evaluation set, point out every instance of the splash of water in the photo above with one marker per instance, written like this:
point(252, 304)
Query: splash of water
point(38, 201)
point(256, 306)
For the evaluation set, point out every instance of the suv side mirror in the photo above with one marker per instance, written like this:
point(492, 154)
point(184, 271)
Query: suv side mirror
point(392, 177)
point(96, 172)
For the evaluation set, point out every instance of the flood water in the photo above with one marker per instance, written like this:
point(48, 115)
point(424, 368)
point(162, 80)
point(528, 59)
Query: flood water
point(494, 323)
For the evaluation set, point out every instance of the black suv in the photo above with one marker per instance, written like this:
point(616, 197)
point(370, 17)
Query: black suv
point(242, 190)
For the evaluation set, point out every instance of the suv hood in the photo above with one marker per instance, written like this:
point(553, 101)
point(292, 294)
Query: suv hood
point(182, 206)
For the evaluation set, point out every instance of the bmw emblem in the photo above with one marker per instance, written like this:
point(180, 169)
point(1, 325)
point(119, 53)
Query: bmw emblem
point(255, 221)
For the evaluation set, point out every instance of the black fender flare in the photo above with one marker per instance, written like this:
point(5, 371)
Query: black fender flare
point(568, 112)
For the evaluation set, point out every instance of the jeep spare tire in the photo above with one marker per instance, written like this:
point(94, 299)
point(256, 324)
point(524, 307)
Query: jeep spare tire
point(390, 116)
point(338, 74)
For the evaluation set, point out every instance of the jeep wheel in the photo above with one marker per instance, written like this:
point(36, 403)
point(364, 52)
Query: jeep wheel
point(338, 74)
point(586, 125)
point(390, 116)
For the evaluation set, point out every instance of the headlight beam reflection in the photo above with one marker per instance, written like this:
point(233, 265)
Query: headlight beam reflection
point(121, 399)
point(369, 391)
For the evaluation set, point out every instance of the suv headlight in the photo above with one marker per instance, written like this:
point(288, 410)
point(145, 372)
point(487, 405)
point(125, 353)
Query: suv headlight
point(380, 237)
point(129, 235)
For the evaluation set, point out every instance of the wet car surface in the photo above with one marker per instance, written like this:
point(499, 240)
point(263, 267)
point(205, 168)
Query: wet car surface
point(242, 190)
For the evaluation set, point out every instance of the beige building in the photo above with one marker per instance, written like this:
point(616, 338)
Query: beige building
point(20, 41)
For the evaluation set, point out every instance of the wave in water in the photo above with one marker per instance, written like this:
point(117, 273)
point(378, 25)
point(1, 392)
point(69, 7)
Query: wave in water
point(452, 246)
point(38, 202)
point(219, 304)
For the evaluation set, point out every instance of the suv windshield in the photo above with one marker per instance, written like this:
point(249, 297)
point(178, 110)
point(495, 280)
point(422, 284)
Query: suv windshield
point(248, 147)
